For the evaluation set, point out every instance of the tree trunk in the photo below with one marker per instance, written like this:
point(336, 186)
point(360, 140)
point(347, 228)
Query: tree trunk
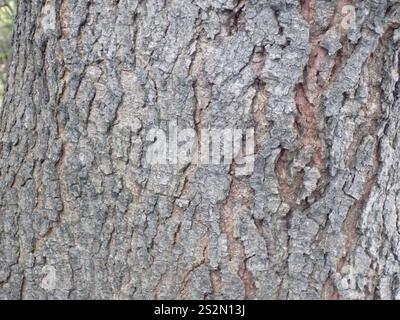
point(82, 215)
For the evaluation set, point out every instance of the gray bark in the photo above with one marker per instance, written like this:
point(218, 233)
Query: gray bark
point(318, 218)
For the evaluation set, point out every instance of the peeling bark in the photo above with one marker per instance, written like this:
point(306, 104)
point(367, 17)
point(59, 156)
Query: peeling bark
point(82, 217)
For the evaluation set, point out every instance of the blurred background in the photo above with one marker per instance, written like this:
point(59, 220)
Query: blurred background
point(7, 10)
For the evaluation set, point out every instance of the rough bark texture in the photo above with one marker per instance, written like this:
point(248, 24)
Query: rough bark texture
point(81, 217)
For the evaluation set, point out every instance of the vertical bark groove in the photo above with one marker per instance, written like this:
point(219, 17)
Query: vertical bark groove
point(83, 216)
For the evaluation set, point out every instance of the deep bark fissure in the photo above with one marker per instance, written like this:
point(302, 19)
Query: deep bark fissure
point(83, 216)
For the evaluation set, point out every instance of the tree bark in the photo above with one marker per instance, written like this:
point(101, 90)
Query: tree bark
point(82, 217)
